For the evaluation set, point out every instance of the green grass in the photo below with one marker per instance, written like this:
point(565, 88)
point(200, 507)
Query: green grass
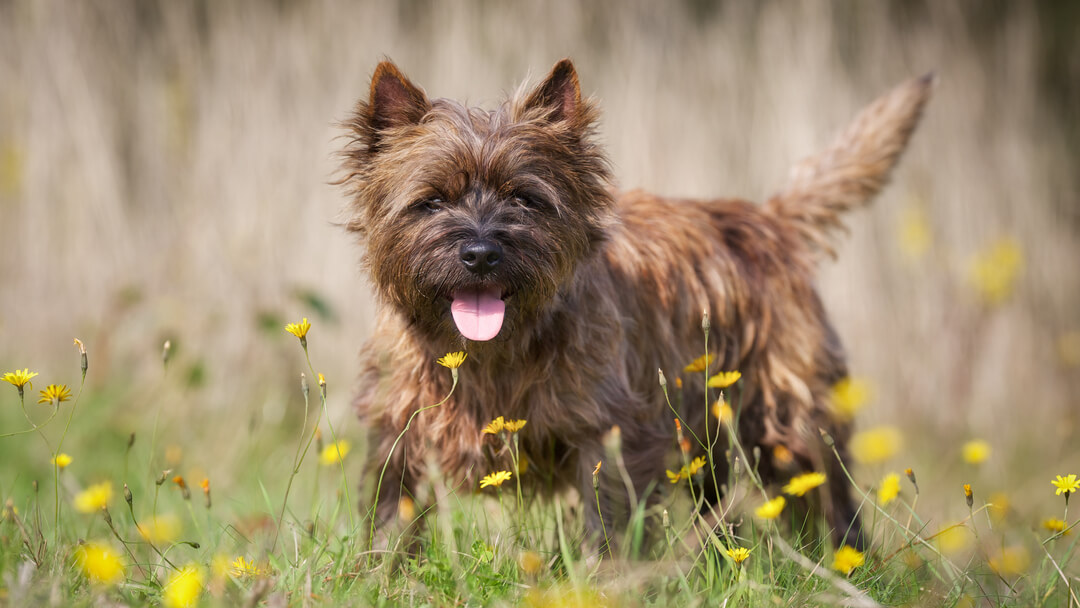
point(307, 544)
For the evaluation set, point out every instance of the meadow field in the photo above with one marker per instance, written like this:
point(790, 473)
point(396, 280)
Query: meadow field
point(167, 209)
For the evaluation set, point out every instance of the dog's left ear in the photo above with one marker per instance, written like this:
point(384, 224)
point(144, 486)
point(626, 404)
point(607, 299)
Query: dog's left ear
point(560, 93)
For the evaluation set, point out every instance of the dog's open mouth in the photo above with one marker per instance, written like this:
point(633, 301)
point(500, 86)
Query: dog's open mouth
point(478, 312)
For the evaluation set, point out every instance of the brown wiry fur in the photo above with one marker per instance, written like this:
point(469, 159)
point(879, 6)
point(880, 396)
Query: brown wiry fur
point(603, 289)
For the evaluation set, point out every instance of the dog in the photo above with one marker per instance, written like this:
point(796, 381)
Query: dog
point(499, 233)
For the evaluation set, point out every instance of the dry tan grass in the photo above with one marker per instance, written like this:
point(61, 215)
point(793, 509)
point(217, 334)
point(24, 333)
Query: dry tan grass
point(184, 155)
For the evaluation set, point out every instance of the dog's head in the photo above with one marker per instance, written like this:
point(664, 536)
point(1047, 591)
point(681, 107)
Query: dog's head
point(471, 219)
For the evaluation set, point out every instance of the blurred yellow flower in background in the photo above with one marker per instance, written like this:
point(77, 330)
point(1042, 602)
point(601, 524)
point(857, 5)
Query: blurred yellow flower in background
point(100, 563)
point(849, 396)
point(183, 587)
point(94, 498)
point(914, 232)
point(1011, 561)
point(801, 484)
point(976, 451)
point(847, 559)
point(61, 460)
point(889, 489)
point(994, 270)
point(724, 379)
point(335, 452)
point(700, 364)
point(1055, 525)
point(162, 529)
point(954, 539)
point(722, 411)
point(876, 444)
point(771, 509)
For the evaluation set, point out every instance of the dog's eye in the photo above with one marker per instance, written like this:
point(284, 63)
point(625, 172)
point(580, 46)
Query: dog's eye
point(431, 205)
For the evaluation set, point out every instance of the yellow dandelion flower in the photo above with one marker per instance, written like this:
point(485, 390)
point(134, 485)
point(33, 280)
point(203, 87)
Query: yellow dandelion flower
point(495, 426)
point(876, 445)
point(849, 395)
point(1011, 561)
point(20, 379)
point(496, 479)
point(889, 489)
point(94, 498)
point(674, 477)
point(976, 451)
point(801, 484)
point(999, 506)
point(724, 379)
point(242, 567)
point(771, 509)
point(183, 587)
point(61, 460)
point(738, 554)
point(406, 509)
point(700, 364)
point(299, 329)
point(685, 472)
point(335, 452)
point(1066, 485)
point(696, 465)
point(160, 530)
point(55, 393)
point(954, 539)
point(968, 496)
point(914, 232)
point(530, 562)
point(847, 559)
point(100, 563)
point(452, 360)
point(523, 464)
point(513, 426)
point(782, 456)
point(596, 471)
point(722, 411)
point(993, 271)
point(1055, 525)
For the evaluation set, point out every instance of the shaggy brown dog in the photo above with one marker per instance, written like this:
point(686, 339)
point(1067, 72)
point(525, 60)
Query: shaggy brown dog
point(498, 233)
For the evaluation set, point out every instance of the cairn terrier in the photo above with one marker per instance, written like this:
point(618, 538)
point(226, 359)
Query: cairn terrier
point(498, 233)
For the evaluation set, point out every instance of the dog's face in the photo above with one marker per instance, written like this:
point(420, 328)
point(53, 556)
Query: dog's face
point(473, 219)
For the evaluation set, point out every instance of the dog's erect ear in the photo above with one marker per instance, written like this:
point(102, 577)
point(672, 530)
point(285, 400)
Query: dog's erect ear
point(394, 100)
point(560, 92)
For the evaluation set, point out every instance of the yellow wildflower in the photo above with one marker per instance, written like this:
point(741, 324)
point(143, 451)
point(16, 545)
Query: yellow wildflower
point(452, 360)
point(55, 393)
point(771, 509)
point(700, 364)
point(914, 232)
point(1055, 525)
point(738, 554)
point(596, 471)
point(876, 445)
point(1066, 485)
point(999, 505)
point(406, 509)
point(722, 411)
point(530, 562)
point(954, 539)
point(724, 379)
point(496, 479)
point(801, 484)
point(993, 271)
point(968, 496)
point(335, 452)
point(889, 489)
point(685, 472)
point(241, 567)
point(782, 455)
point(495, 426)
point(513, 426)
point(523, 464)
point(100, 563)
point(976, 451)
point(183, 587)
point(61, 460)
point(162, 529)
point(20, 379)
point(299, 329)
point(847, 559)
point(1011, 561)
point(849, 395)
point(94, 498)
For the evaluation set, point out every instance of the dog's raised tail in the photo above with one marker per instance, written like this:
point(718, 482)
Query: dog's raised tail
point(854, 168)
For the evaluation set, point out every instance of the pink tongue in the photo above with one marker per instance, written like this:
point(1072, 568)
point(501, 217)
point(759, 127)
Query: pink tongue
point(478, 313)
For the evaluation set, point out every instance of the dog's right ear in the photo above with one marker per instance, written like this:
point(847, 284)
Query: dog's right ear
point(394, 101)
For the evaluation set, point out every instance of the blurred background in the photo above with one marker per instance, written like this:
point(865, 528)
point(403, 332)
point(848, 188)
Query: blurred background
point(165, 174)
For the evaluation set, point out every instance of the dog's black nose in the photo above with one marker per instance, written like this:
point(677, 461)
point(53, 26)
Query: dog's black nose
point(482, 256)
